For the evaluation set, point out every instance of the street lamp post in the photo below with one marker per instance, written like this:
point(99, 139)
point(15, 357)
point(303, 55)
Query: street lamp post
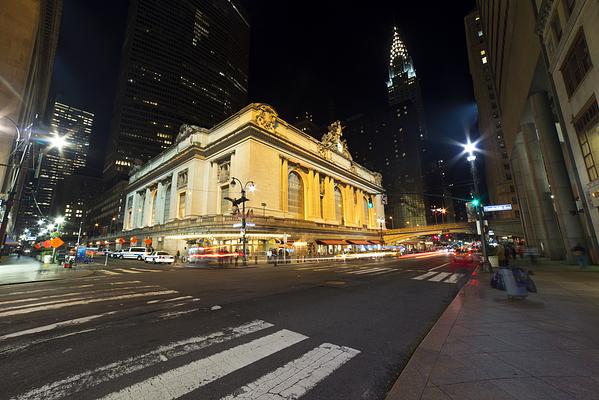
point(251, 187)
point(381, 220)
point(392, 225)
point(470, 148)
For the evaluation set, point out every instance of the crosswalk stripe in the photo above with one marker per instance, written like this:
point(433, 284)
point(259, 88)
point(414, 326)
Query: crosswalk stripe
point(71, 294)
point(62, 324)
point(146, 270)
point(55, 306)
point(169, 300)
point(453, 278)
point(296, 378)
point(424, 276)
point(366, 271)
point(68, 387)
point(440, 276)
point(128, 271)
point(182, 380)
point(385, 272)
point(107, 272)
point(53, 289)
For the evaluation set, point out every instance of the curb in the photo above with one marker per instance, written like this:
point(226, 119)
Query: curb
point(414, 377)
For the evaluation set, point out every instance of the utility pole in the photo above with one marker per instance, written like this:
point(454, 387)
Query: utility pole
point(480, 216)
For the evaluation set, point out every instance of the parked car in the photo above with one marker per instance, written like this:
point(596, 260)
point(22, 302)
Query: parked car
point(134, 253)
point(116, 253)
point(159, 257)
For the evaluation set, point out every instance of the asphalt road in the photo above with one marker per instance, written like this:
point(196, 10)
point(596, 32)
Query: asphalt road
point(332, 330)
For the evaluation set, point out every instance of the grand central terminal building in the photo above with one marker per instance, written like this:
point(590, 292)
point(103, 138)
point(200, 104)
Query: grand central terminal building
point(303, 194)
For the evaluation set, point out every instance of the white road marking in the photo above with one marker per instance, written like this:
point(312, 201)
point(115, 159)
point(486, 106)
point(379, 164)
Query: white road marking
point(385, 272)
point(440, 276)
point(453, 278)
point(70, 386)
point(62, 324)
point(127, 271)
point(80, 302)
point(168, 300)
point(107, 272)
point(177, 313)
point(182, 380)
point(424, 276)
point(55, 296)
point(46, 290)
point(438, 266)
point(146, 270)
point(366, 271)
point(296, 378)
point(85, 296)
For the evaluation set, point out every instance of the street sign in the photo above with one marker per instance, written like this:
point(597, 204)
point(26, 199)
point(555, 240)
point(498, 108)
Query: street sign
point(498, 207)
point(247, 224)
point(56, 242)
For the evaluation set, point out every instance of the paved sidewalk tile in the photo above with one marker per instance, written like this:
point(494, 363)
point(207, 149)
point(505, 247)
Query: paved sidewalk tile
point(485, 346)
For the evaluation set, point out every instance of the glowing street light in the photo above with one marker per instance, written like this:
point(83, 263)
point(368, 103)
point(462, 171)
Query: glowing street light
point(59, 220)
point(40, 222)
point(57, 141)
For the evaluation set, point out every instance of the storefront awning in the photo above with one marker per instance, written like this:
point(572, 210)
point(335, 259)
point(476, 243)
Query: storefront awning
point(365, 242)
point(330, 242)
point(375, 241)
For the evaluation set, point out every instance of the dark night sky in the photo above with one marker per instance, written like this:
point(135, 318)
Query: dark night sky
point(325, 57)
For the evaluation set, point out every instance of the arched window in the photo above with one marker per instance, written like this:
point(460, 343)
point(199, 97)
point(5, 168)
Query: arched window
point(295, 196)
point(338, 206)
point(365, 211)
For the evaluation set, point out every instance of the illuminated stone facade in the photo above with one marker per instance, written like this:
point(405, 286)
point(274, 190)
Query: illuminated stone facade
point(307, 191)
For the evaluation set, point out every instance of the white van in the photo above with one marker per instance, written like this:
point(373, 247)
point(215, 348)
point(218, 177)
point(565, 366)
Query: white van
point(134, 253)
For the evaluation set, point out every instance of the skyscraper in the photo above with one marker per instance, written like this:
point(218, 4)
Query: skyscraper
point(391, 140)
point(28, 37)
point(55, 163)
point(499, 178)
point(405, 140)
point(183, 61)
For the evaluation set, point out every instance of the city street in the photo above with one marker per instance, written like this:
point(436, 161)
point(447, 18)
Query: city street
point(133, 330)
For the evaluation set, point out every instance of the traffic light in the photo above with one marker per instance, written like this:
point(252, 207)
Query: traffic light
point(370, 205)
point(475, 202)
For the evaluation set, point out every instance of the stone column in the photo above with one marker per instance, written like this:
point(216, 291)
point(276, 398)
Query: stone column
point(309, 198)
point(316, 195)
point(134, 211)
point(159, 213)
point(284, 182)
point(147, 209)
point(565, 205)
point(518, 161)
point(540, 194)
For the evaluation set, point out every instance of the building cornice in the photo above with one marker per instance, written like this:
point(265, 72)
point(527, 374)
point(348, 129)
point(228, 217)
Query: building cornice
point(248, 131)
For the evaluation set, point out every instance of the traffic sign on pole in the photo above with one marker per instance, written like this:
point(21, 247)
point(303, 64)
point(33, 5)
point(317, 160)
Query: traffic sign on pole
point(498, 207)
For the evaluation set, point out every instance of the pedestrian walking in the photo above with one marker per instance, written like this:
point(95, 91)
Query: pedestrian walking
point(177, 257)
point(580, 255)
point(502, 256)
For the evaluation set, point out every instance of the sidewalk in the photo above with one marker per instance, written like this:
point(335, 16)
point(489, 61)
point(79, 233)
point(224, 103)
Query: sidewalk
point(486, 347)
point(27, 270)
